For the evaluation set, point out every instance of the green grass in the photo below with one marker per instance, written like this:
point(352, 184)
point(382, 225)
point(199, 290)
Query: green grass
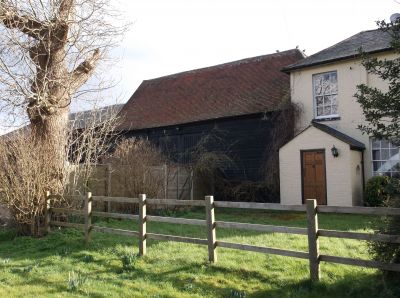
point(60, 265)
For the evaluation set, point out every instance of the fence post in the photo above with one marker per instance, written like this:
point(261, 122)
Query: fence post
point(211, 233)
point(108, 173)
point(142, 224)
point(47, 215)
point(313, 243)
point(88, 216)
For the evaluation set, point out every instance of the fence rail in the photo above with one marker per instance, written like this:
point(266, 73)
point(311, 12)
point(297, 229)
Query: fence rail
point(312, 231)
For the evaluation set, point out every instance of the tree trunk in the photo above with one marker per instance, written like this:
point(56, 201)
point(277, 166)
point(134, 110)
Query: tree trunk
point(50, 135)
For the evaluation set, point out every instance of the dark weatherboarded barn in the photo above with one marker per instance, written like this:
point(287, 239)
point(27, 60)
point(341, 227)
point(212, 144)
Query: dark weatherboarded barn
point(234, 101)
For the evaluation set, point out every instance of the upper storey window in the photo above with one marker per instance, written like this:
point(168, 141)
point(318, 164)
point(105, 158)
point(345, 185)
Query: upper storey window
point(325, 95)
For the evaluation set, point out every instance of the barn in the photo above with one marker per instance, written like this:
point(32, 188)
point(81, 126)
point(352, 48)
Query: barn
point(230, 108)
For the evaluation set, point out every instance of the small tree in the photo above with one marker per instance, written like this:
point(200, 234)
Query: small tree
point(26, 170)
point(381, 108)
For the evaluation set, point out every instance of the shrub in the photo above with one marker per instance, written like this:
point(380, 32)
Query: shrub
point(132, 163)
point(246, 191)
point(129, 260)
point(389, 252)
point(25, 175)
point(376, 194)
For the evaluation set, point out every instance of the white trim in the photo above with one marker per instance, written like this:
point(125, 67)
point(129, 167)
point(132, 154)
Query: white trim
point(328, 116)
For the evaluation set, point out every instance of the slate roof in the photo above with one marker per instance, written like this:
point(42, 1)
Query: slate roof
point(354, 144)
point(77, 120)
point(242, 87)
point(372, 41)
point(80, 119)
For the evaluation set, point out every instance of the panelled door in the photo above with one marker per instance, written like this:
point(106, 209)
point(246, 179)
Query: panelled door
point(314, 176)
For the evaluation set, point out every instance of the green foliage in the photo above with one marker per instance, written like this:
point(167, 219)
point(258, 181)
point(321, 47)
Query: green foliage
point(388, 252)
point(386, 192)
point(129, 260)
point(88, 258)
point(376, 194)
point(75, 281)
point(382, 108)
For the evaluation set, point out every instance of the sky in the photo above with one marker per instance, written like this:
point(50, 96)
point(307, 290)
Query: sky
point(171, 36)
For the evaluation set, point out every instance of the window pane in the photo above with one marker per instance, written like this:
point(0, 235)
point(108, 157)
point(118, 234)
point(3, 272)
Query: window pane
point(334, 86)
point(385, 154)
point(327, 111)
point(394, 153)
point(319, 101)
point(376, 155)
point(385, 166)
point(376, 143)
point(319, 111)
point(318, 85)
point(376, 165)
point(327, 100)
point(384, 143)
point(334, 109)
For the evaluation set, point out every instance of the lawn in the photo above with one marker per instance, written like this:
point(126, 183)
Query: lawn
point(60, 265)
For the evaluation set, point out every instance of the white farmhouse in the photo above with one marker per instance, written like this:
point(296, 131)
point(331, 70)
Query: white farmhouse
point(330, 159)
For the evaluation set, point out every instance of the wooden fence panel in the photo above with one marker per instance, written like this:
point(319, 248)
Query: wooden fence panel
point(312, 230)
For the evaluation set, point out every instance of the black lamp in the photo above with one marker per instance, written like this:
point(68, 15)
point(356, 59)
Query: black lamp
point(335, 151)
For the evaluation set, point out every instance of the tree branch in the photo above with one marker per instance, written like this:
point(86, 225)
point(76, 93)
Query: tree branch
point(65, 9)
point(26, 24)
point(84, 70)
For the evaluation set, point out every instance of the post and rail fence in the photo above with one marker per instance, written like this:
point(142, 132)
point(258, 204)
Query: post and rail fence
point(312, 231)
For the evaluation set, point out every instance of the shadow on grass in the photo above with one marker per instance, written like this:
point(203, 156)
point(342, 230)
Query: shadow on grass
point(206, 278)
point(350, 285)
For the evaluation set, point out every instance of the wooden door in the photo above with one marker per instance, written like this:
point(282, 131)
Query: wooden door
point(314, 176)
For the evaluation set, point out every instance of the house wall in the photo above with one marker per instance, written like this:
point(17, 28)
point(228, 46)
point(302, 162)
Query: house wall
point(350, 73)
point(341, 187)
point(356, 172)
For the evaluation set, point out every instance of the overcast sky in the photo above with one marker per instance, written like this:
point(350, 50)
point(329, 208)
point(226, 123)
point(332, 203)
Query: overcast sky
point(171, 36)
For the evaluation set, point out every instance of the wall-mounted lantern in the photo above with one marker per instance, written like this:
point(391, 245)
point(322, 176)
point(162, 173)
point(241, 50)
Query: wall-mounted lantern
point(335, 151)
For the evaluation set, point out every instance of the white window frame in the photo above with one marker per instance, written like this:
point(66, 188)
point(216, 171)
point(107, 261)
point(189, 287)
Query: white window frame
point(315, 97)
point(391, 159)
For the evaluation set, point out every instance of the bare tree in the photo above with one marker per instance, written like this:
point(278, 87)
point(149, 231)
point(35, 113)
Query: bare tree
point(48, 50)
point(26, 170)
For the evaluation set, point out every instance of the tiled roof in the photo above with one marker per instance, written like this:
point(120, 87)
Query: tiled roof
point(371, 41)
point(242, 87)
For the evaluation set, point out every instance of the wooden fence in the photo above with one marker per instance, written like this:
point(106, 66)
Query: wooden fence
point(312, 231)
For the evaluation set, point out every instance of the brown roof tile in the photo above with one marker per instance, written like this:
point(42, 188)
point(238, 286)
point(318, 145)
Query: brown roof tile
point(242, 87)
